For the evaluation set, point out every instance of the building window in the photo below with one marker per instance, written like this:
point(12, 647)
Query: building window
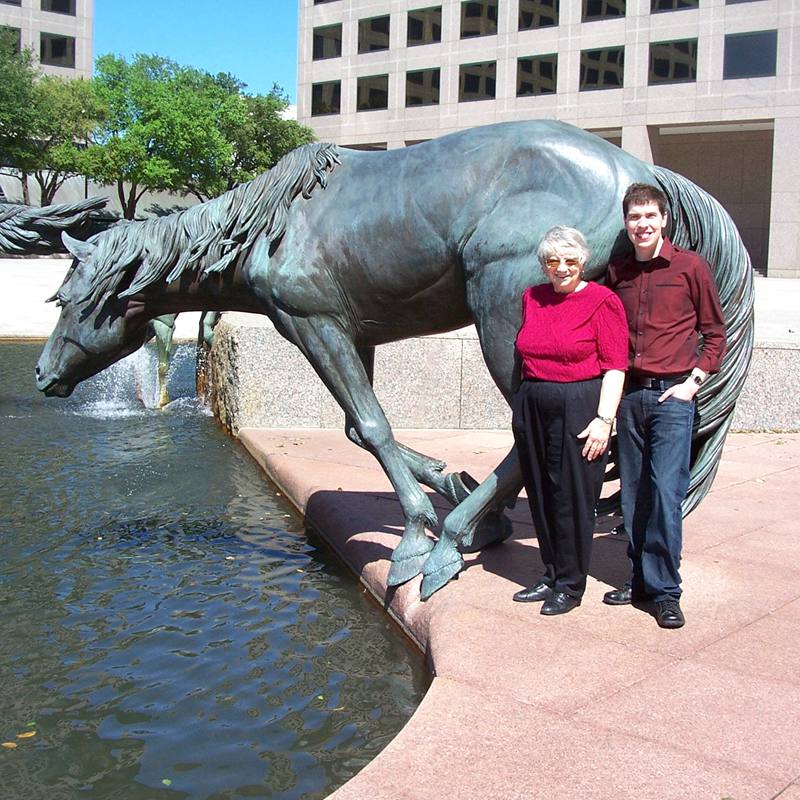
point(373, 34)
point(602, 9)
point(56, 50)
point(477, 81)
point(537, 14)
point(536, 75)
point(602, 69)
point(478, 19)
point(422, 87)
point(750, 55)
point(327, 42)
point(673, 62)
point(326, 98)
point(59, 6)
point(12, 2)
point(320, 2)
point(735, 2)
point(424, 26)
point(672, 5)
point(370, 147)
point(372, 93)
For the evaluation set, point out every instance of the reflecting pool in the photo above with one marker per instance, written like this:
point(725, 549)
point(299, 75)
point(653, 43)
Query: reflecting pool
point(168, 627)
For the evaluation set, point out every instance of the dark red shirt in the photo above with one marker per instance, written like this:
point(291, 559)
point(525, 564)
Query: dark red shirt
point(668, 301)
point(571, 337)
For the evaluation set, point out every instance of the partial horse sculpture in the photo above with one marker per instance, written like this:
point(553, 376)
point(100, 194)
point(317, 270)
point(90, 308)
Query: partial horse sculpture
point(28, 230)
point(345, 250)
point(163, 329)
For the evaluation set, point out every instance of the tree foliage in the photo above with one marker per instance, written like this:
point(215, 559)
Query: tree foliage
point(260, 135)
point(145, 125)
point(44, 120)
point(65, 113)
point(179, 129)
point(17, 79)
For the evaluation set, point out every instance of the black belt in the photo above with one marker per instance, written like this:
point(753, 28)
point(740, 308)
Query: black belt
point(660, 384)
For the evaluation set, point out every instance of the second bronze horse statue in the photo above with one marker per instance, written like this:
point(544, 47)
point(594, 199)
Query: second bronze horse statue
point(345, 250)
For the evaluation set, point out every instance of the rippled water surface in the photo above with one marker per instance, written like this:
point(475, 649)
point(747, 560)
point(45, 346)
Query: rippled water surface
point(168, 629)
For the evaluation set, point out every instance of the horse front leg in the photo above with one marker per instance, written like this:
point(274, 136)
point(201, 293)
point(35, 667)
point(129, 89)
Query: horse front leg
point(461, 524)
point(430, 472)
point(163, 330)
point(336, 360)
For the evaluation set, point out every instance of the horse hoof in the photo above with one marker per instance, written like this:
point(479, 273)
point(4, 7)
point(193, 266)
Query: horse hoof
point(443, 563)
point(460, 486)
point(494, 528)
point(405, 570)
point(433, 581)
point(408, 558)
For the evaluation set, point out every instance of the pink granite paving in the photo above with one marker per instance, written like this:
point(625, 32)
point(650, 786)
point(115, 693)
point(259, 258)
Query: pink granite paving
point(599, 703)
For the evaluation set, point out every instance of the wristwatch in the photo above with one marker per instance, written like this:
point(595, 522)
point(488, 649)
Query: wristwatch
point(607, 420)
point(698, 379)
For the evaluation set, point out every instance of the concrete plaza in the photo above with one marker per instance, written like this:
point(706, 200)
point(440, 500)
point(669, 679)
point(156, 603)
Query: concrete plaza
point(599, 703)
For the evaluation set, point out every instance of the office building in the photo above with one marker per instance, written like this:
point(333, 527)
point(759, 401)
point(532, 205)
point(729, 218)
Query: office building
point(58, 31)
point(709, 88)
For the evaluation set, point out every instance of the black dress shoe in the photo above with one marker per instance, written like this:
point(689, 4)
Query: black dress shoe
point(669, 614)
point(535, 594)
point(619, 597)
point(560, 603)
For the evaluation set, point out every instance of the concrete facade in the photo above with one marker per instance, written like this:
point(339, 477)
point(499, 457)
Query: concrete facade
point(260, 380)
point(54, 35)
point(736, 137)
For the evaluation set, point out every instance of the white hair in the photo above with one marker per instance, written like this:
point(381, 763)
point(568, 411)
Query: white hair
point(561, 237)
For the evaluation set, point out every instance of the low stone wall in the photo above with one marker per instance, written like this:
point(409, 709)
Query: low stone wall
point(261, 381)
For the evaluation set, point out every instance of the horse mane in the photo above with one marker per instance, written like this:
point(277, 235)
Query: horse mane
point(210, 236)
point(700, 223)
point(30, 229)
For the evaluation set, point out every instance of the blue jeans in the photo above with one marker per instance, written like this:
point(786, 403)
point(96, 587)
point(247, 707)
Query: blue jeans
point(654, 442)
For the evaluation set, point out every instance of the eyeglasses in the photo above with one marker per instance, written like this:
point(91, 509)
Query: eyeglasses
point(553, 262)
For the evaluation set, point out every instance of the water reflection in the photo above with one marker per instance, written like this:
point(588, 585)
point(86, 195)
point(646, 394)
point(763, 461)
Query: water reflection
point(168, 629)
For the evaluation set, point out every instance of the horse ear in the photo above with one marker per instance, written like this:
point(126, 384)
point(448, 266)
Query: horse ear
point(81, 250)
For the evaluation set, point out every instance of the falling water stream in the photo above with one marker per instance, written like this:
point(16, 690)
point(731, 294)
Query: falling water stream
point(168, 628)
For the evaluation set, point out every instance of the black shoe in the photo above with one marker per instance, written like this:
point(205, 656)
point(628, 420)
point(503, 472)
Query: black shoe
point(619, 597)
point(535, 594)
point(560, 603)
point(669, 614)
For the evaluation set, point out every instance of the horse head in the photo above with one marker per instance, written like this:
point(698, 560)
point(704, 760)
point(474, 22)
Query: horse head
point(94, 329)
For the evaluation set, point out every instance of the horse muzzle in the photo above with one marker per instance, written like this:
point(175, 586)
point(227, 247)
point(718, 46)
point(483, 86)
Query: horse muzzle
point(52, 386)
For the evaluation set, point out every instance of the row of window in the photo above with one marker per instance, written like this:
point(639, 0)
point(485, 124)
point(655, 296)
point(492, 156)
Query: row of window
point(55, 50)
point(55, 6)
point(747, 55)
point(478, 18)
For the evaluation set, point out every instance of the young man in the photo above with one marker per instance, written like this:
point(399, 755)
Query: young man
point(670, 299)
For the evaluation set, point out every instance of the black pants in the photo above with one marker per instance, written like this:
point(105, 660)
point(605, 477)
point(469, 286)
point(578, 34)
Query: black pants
point(562, 486)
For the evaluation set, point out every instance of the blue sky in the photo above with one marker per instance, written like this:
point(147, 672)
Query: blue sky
point(255, 40)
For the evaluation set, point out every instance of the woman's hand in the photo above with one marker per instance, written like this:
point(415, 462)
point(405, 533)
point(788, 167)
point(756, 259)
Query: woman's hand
point(596, 434)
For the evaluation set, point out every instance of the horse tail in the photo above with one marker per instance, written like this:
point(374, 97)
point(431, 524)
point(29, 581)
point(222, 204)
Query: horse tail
point(698, 222)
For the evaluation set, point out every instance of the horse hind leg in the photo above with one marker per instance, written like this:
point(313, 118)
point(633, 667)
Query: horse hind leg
point(337, 361)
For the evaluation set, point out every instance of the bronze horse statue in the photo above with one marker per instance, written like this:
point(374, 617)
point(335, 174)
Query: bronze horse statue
point(28, 230)
point(345, 250)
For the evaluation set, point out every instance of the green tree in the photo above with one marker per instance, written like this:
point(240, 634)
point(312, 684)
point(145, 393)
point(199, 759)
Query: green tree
point(65, 112)
point(260, 136)
point(43, 121)
point(17, 80)
point(179, 129)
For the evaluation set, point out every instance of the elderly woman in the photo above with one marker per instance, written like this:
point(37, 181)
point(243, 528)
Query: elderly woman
point(573, 348)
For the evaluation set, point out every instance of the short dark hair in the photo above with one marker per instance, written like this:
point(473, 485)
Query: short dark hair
point(642, 193)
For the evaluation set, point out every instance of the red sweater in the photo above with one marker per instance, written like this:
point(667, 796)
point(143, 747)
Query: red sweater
point(571, 337)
